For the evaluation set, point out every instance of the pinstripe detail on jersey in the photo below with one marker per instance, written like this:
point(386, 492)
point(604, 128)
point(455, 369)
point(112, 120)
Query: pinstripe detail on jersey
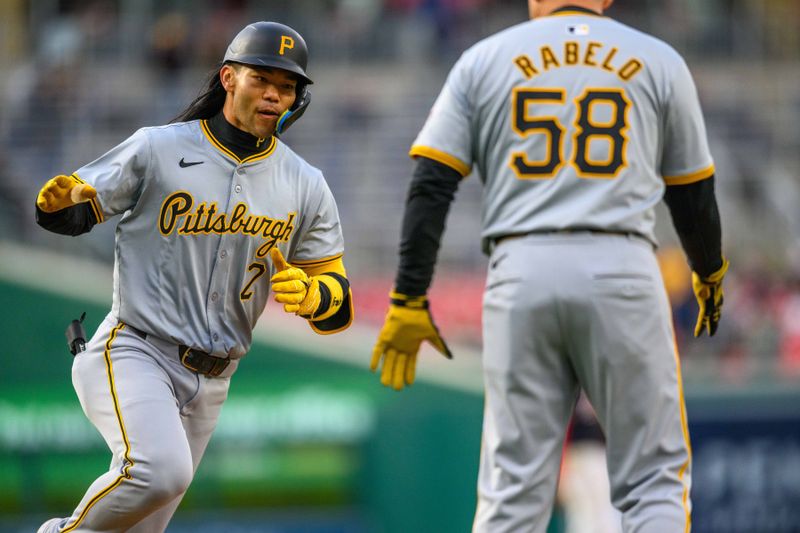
point(685, 431)
point(221, 147)
point(94, 203)
point(125, 472)
point(442, 157)
point(685, 179)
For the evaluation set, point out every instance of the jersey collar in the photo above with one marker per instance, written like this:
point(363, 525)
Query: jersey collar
point(235, 143)
point(573, 10)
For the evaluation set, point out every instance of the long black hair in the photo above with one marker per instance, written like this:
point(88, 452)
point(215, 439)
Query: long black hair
point(208, 103)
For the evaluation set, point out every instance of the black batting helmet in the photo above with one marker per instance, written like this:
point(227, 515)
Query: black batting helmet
point(270, 44)
point(261, 44)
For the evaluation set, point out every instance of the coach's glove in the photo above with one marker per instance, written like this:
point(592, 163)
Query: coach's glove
point(708, 291)
point(62, 192)
point(407, 324)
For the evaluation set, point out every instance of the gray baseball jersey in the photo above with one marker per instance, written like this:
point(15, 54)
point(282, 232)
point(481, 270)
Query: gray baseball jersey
point(191, 258)
point(553, 149)
point(575, 123)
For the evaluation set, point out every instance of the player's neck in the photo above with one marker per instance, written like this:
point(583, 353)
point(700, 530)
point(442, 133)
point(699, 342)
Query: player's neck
point(238, 141)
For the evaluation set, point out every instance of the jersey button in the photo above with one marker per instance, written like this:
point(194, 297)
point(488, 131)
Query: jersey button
point(215, 337)
point(238, 188)
point(223, 254)
point(214, 296)
point(240, 170)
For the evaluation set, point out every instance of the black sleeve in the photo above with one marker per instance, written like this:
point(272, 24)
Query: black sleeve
point(432, 190)
point(73, 220)
point(696, 218)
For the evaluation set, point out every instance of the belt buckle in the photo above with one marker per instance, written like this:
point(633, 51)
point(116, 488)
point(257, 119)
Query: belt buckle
point(203, 363)
point(185, 360)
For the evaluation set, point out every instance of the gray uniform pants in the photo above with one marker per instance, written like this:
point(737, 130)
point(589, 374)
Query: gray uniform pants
point(571, 311)
point(156, 417)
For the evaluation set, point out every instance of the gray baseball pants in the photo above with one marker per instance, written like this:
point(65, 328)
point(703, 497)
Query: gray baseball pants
point(156, 416)
point(582, 310)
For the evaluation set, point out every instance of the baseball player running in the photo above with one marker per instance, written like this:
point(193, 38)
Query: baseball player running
point(578, 126)
point(211, 205)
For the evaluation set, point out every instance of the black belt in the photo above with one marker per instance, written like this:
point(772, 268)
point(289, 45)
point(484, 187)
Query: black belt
point(571, 231)
point(193, 359)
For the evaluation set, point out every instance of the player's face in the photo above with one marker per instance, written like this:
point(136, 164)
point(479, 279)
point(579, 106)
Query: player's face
point(257, 97)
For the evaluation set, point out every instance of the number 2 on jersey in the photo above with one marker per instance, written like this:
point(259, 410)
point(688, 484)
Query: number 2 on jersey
point(258, 269)
point(585, 130)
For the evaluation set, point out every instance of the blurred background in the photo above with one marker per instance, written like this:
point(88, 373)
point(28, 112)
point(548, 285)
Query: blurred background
point(308, 441)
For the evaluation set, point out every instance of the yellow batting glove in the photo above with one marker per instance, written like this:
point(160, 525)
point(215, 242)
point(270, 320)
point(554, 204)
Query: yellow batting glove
point(708, 291)
point(298, 293)
point(61, 192)
point(407, 324)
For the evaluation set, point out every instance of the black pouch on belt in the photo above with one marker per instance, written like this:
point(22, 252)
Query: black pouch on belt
point(76, 336)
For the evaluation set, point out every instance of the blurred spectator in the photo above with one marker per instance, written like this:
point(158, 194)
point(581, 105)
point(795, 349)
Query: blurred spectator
point(16, 203)
point(215, 28)
point(352, 24)
point(781, 20)
point(169, 43)
point(678, 283)
point(41, 95)
point(790, 332)
point(169, 50)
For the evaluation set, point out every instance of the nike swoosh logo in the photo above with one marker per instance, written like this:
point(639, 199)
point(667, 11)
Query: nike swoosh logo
point(184, 164)
point(497, 261)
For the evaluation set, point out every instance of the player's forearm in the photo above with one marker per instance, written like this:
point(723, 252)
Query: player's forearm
point(696, 219)
point(74, 220)
point(430, 194)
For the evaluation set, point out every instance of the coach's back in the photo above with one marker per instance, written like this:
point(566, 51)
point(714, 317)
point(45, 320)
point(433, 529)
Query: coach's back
point(574, 121)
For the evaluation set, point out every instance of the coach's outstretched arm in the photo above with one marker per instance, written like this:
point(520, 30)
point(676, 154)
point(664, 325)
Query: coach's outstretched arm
point(695, 216)
point(408, 321)
point(67, 205)
point(320, 294)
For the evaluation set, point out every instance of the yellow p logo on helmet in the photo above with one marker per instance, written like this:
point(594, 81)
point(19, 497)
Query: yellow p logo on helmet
point(269, 44)
point(286, 43)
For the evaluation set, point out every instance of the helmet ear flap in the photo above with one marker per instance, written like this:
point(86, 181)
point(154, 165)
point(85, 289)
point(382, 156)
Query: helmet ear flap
point(296, 111)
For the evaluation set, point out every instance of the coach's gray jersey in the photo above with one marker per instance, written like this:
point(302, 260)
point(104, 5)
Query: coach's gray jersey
point(545, 110)
point(191, 258)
